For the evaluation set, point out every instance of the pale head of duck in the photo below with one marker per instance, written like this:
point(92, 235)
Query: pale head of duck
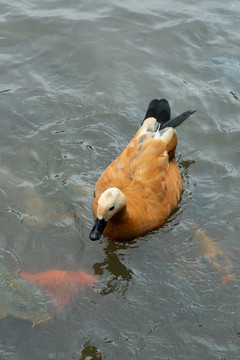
point(110, 203)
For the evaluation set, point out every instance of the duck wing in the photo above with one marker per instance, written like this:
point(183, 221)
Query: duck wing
point(144, 160)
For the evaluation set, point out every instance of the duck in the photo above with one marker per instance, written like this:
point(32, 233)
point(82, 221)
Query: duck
point(140, 189)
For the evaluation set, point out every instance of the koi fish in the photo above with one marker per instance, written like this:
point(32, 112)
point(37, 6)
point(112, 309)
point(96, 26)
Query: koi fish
point(34, 209)
point(21, 299)
point(61, 284)
point(216, 257)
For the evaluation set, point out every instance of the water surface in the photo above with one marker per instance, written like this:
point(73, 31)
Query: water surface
point(76, 79)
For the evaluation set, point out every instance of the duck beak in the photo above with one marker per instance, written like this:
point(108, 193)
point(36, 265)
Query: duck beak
point(97, 229)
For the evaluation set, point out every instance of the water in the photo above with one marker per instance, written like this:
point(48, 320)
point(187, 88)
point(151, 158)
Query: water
point(76, 78)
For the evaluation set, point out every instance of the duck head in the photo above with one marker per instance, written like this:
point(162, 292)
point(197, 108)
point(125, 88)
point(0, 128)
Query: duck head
point(111, 202)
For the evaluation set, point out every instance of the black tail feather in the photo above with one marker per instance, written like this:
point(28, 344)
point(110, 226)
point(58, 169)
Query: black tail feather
point(160, 110)
point(177, 120)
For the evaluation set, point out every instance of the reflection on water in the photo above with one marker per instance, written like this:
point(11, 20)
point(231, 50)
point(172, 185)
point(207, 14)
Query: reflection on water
point(89, 352)
point(120, 274)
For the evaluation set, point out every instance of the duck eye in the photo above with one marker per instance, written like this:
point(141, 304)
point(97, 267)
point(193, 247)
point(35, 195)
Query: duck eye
point(111, 208)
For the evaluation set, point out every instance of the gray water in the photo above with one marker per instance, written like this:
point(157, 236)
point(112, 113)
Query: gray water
point(76, 79)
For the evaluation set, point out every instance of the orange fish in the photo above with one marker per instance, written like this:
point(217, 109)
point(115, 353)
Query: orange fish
point(62, 285)
point(216, 257)
point(142, 187)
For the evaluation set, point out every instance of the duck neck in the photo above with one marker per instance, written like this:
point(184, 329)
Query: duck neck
point(122, 215)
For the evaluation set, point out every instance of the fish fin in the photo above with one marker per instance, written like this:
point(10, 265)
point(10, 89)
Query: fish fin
point(36, 322)
point(228, 279)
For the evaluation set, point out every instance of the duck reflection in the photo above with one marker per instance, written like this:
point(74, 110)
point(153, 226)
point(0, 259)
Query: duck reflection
point(88, 352)
point(114, 264)
point(184, 167)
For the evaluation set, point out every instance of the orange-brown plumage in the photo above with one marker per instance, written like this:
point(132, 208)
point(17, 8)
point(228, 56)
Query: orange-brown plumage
point(147, 175)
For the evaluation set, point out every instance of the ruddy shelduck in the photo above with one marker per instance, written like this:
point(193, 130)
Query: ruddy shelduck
point(141, 188)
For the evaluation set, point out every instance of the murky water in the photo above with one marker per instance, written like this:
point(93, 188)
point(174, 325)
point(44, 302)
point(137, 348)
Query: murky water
point(76, 78)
